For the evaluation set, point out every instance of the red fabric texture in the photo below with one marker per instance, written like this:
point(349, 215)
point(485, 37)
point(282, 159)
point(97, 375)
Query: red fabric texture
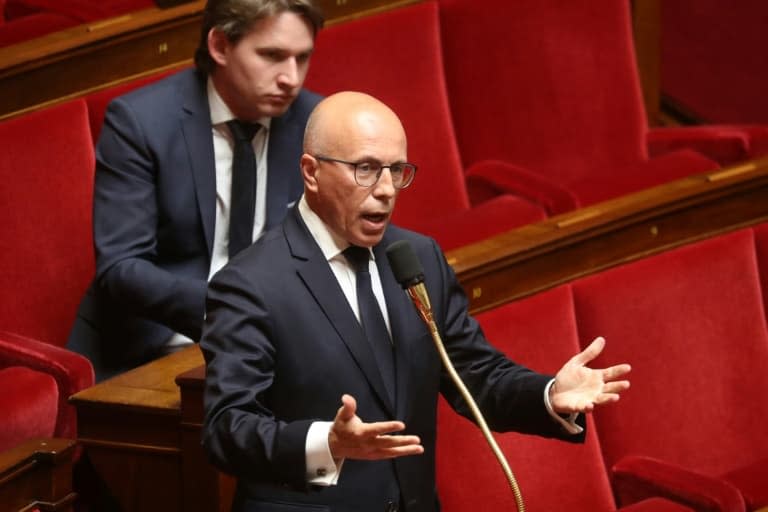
point(636, 477)
point(406, 73)
point(761, 249)
point(46, 253)
point(81, 10)
point(32, 26)
point(692, 324)
point(71, 372)
point(551, 87)
point(28, 404)
point(655, 505)
point(713, 59)
point(750, 480)
point(97, 102)
point(724, 144)
point(539, 332)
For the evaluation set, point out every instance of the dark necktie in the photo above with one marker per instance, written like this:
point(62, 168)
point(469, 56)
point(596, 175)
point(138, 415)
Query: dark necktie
point(243, 199)
point(371, 317)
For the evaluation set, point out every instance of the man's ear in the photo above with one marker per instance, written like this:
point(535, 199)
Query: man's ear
point(309, 166)
point(218, 46)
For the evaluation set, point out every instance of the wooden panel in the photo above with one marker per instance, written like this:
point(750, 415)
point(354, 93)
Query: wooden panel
point(37, 473)
point(540, 256)
point(131, 428)
point(90, 57)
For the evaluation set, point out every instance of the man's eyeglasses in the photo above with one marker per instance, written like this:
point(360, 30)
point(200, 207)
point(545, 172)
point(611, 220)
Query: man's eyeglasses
point(368, 173)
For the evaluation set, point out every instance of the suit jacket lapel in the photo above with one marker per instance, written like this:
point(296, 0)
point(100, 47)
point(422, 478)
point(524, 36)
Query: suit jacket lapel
point(196, 127)
point(407, 329)
point(317, 275)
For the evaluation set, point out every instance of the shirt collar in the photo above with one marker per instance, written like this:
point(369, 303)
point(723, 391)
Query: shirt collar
point(221, 113)
point(330, 244)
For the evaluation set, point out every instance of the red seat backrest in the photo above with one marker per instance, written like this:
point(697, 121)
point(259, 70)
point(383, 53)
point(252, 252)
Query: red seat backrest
point(548, 85)
point(538, 332)
point(691, 323)
point(46, 251)
point(396, 57)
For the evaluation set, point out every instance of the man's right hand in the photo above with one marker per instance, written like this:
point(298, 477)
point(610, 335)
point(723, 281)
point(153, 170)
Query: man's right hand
point(350, 438)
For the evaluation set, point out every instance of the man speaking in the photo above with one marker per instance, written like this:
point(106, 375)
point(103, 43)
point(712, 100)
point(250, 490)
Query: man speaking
point(322, 380)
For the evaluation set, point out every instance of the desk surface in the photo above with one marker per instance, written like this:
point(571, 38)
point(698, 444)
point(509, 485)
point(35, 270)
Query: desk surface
point(151, 386)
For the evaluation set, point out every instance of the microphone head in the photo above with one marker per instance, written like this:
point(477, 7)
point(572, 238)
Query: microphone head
point(405, 264)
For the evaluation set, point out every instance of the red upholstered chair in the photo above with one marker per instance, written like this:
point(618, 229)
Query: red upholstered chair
point(22, 29)
point(761, 247)
point(396, 57)
point(691, 323)
point(46, 252)
point(552, 89)
point(539, 332)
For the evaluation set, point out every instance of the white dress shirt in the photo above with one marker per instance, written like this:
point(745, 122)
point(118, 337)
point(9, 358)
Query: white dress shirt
point(321, 467)
point(223, 147)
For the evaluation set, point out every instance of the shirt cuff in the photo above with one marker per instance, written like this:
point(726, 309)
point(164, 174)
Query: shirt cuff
point(569, 423)
point(321, 468)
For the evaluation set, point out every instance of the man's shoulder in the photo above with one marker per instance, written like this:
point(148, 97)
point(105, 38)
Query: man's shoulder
point(171, 90)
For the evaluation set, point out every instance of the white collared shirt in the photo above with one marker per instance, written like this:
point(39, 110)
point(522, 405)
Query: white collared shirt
point(223, 148)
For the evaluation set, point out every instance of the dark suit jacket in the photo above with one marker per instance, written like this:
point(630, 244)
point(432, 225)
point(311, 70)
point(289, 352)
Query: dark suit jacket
point(282, 345)
point(154, 215)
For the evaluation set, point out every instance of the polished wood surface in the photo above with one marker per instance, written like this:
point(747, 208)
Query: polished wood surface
point(543, 255)
point(37, 474)
point(130, 426)
point(142, 429)
point(87, 58)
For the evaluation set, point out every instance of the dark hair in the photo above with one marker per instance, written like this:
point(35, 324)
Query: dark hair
point(235, 18)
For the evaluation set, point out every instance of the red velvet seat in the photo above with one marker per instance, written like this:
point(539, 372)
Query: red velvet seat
point(35, 25)
point(46, 251)
point(396, 56)
point(692, 324)
point(539, 332)
point(552, 89)
point(29, 404)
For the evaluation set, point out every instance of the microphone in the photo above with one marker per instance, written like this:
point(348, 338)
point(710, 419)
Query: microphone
point(409, 273)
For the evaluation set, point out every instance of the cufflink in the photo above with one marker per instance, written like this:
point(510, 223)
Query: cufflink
point(322, 472)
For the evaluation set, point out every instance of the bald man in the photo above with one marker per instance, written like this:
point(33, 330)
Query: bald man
point(305, 408)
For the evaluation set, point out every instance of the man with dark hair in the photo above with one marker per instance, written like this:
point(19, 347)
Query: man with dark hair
point(189, 171)
point(321, 380)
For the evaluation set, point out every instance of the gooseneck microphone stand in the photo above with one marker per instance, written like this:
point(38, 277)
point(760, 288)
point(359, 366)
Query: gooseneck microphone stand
point(410, 274)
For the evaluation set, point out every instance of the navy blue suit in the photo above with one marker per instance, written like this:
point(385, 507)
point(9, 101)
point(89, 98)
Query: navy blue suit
point(154, 216)
point(282, 345)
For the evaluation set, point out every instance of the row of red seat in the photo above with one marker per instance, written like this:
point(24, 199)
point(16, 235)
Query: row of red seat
point(655, 313)
point(692, 428)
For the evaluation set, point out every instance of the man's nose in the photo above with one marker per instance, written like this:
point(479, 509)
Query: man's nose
point(384, 187)
point(289, 73)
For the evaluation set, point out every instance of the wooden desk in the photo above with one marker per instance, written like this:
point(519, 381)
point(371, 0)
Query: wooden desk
point(130, 426)
point(37, 474)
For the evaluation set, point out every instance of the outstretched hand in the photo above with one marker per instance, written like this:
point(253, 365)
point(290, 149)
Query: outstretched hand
point(351, 438)
point(578, 388)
